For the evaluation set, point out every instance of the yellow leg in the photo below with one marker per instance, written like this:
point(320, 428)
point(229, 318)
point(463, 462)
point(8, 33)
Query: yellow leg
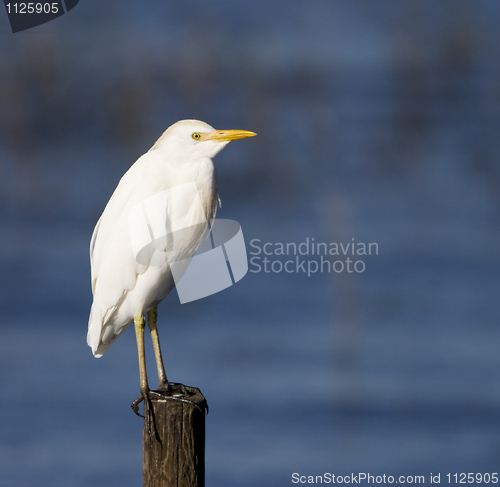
point(162, 378)
point(140, 325)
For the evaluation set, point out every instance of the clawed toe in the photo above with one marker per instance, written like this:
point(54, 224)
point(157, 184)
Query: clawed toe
point(135, 405)
point(148, 411)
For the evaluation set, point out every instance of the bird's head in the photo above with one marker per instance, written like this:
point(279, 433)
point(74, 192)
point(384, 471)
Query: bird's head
point(192, 139)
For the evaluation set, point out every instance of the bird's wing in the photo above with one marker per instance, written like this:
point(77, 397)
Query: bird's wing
point(114, 268)
point(114, 265)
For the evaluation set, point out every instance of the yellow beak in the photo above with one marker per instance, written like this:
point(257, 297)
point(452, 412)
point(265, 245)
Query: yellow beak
point(227, 135)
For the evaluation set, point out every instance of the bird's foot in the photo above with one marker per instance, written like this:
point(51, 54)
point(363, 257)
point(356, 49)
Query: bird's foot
point(172, 391)
point(175, 391)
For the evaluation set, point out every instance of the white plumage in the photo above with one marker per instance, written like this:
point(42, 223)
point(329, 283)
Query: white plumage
point(123, 288)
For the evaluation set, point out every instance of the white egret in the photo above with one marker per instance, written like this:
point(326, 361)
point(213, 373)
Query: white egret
point(125, 289)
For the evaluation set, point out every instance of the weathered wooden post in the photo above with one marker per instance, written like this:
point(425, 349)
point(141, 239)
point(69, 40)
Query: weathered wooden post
point(174, 456)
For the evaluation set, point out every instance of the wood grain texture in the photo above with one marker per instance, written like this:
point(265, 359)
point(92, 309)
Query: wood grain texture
point(176, 457)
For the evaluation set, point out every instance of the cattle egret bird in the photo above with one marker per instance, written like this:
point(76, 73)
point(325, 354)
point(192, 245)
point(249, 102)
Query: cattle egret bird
point(124, 289)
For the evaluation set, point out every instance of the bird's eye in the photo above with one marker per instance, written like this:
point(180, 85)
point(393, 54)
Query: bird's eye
point(196, 136)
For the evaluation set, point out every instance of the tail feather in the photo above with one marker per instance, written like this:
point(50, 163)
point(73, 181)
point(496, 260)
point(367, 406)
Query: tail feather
point(104, 329)
point(95, 329)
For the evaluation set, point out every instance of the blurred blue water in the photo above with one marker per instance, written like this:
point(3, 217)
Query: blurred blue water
point(375, 123)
